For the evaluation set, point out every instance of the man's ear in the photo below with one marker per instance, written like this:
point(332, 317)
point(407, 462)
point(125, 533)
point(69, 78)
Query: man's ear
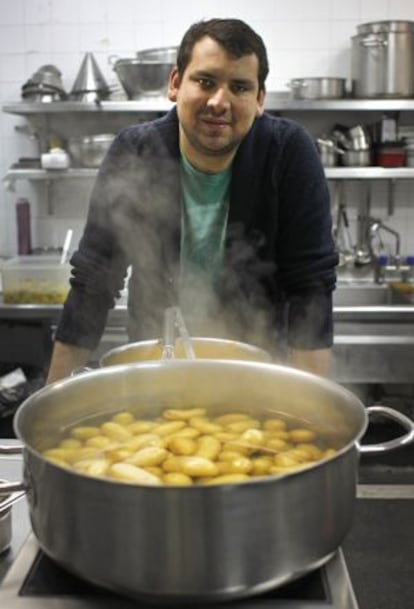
point(260, 102)
point(173, 85)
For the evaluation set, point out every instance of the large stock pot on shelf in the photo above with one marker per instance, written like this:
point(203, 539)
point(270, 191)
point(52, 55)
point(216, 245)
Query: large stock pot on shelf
point(383, 59)
point(199, 542)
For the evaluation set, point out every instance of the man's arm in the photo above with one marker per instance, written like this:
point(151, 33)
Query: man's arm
point(312, 360)
point(65, 359)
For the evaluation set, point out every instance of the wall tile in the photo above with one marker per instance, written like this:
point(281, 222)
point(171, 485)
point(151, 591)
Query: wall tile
point(374, 10)
point(12, 68)
point(316, 34)
point(121, 39)
point(11, 39)
point(37, 38)
point(65, 38)
point(93, 11)
point(65, 11)
point(36, 11)
point(93, 37)
point(350, 9)
point(13, 14)
point(401, 9)
point(148, 35)
point(121, 11)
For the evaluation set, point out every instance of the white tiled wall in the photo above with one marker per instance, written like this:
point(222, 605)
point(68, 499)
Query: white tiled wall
point(303, 37)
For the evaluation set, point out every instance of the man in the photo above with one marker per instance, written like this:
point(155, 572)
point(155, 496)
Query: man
point(217, 207)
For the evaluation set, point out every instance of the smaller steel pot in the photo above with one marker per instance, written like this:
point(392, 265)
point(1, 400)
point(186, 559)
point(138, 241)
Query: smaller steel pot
point(206, 348)
point(318, 88)
point(357, 158)
point(328, 151)
point(6, 517)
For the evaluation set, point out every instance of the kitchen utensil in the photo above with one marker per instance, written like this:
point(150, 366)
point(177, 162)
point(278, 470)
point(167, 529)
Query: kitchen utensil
point(90, 81)
point(66, 246)
point(173, 319)
point(356, 158)
point(318, 88)
point(42, 93)
point(6, 503)
point(184, 334)
point(382, 63)
point(328, 151)
point(142, 77)
point(89, 150)
point(185, 544)
point(48, 75)
point(204, 347)
point(359, 138)
point(159, 54)
point(168, 334)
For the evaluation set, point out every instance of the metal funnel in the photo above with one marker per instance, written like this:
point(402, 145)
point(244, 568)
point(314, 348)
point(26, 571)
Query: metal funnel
point(90, 77)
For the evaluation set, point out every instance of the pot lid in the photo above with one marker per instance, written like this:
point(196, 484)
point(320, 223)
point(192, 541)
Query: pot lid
point(379, 27)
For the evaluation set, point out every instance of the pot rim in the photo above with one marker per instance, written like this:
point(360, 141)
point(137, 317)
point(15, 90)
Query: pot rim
point(122, 369)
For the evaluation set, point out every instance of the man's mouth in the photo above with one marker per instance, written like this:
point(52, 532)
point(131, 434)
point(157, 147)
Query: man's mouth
point(214, 121)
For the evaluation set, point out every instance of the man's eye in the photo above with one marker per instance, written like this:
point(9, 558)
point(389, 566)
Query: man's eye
point(205, 83)
point(239, 88)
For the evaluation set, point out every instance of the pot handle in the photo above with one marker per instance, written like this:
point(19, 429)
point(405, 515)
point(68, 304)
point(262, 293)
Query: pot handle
point(13, 449)
point(14, 489)
point(398, 417)
point(296, 83)
point(112, 59)
point(373, 41)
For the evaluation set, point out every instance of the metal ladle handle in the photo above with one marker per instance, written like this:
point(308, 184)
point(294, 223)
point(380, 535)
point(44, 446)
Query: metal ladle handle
point(168, 351)
point(173, 319)
point(184, 334)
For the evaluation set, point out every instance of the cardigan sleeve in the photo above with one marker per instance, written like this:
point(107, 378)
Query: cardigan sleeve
point(306, 252)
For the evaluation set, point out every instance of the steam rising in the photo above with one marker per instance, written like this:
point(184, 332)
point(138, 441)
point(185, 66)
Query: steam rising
point(145, 214)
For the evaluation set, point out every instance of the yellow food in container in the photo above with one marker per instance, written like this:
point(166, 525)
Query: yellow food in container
point(35, 280)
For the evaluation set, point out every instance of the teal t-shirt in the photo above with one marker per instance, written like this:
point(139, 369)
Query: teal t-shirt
point(204, 214)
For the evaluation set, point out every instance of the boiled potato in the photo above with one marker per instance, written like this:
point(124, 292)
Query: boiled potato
point(184, 447)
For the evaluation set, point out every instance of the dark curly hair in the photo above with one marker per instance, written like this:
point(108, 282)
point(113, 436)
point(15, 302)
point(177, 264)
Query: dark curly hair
point(234, 35)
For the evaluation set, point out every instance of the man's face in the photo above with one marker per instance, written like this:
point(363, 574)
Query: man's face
point(217, 100)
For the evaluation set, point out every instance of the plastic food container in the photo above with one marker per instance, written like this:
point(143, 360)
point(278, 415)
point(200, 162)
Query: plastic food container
point(35, 280)
point(390, 154)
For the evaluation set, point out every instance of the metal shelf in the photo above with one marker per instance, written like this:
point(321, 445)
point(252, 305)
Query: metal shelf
point(146, 105)
point(279, 101)
point(49, 174)
point(275, 101)
point(369, 173)
point(332, 173)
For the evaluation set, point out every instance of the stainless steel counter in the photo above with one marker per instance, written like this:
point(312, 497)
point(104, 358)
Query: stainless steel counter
point(373, 342)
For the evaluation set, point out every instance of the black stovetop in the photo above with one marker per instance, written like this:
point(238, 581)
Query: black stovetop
point(45, 578)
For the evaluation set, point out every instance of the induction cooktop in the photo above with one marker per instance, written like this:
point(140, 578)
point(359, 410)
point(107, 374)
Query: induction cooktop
point(35, 581)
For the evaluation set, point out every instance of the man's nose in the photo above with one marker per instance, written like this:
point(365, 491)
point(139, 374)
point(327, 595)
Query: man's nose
point(219, 99)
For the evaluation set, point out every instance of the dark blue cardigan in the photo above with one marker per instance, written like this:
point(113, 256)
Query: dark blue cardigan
point(279, 258)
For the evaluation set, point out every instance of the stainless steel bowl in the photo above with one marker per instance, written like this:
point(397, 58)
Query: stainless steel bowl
point(89, 150)
point(143, 77)
point(160, 54)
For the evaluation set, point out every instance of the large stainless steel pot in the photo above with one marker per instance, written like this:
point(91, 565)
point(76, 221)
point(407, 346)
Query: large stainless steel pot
point(318, 88)
point(199, 542)
point(205, 348)
point(383, 59)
